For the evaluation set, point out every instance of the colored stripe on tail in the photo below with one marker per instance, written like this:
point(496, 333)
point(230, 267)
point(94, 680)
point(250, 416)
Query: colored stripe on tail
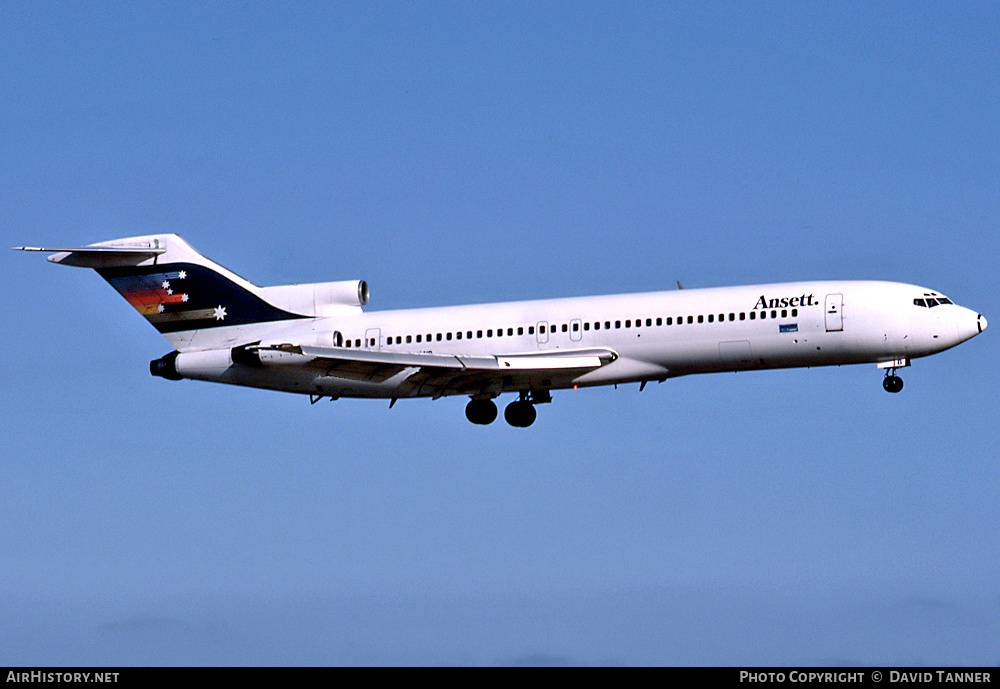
point(186, 296)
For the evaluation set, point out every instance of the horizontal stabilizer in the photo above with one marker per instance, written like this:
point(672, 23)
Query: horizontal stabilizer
point(98, 256)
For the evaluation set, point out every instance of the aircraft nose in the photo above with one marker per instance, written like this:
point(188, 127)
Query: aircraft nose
point(969, 324)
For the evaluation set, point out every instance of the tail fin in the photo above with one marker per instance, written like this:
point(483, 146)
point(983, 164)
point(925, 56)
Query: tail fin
point(175, 288)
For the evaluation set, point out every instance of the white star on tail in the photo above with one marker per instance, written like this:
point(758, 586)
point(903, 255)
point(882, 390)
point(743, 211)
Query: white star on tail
point(181, 275)
point(220, 313)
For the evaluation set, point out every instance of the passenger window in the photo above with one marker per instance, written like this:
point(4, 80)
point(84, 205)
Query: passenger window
point(690, 320)
point(607, 325)
point(795, 312)
point(701, 319)
point(564, 327)
point(618, 324)
point(586, 326)
point(409, 339)
point(447, 336)
point(784, 313)
point(743, 315)
point(774, 314)
point(576, 327)
point(659, 321)
point(670, 320)
point(531, 330)
point(628, 324)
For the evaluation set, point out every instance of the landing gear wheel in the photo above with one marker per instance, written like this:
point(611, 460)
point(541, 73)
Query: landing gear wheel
point(482, 412)
point(892, 383)
point(520, 414)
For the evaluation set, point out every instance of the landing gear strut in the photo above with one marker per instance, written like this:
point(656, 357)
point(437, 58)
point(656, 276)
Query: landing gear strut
point(892, 382)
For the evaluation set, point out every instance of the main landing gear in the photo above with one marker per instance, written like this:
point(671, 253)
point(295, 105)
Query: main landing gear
point(892, 382)
point(482, 412)
point(520, 413)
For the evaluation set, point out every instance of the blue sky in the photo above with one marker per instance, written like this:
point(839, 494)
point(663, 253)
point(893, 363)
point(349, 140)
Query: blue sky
point(469, 152)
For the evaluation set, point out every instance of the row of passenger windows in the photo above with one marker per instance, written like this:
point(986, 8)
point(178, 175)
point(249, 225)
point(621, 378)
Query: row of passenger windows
point(575, 327)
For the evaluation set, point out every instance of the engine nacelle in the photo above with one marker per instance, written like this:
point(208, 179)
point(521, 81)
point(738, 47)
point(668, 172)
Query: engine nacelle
point(318, 299)
point(165, 367)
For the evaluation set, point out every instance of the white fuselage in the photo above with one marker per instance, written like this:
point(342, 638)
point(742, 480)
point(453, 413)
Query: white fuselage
point(655, 335)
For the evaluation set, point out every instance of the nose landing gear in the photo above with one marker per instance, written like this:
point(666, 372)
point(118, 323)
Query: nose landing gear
point(892, 382)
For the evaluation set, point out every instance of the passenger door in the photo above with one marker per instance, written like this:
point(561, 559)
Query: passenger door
point(834, 312)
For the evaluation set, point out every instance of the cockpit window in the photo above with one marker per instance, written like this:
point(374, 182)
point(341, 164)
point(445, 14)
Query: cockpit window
point(932, 300)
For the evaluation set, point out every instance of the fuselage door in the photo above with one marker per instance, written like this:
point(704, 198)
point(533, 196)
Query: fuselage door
point(576, 330)
point(542, 332)
point(834, 312)
point(373, 339)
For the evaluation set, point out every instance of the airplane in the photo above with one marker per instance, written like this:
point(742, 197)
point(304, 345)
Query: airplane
point(316, 339)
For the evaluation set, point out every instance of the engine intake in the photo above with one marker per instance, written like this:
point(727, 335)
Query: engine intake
point(318, 299)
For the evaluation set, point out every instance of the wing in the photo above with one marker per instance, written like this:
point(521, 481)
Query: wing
point(436, 374)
